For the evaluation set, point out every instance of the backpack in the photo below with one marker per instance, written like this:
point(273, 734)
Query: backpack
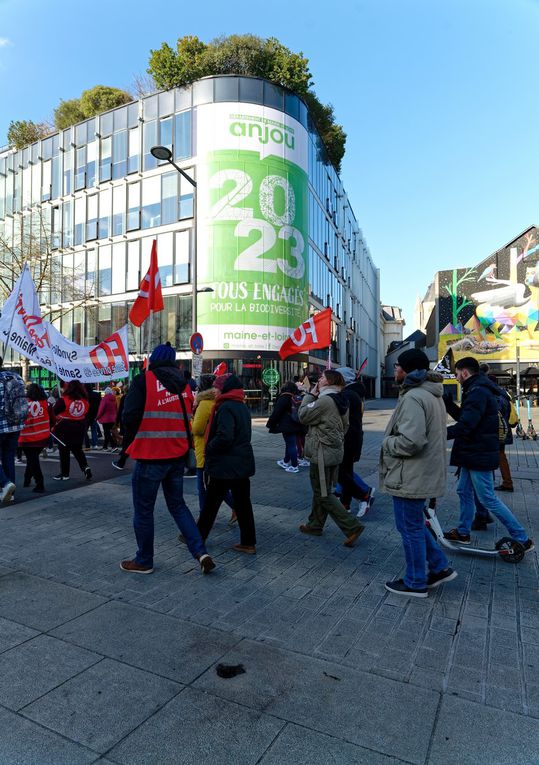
point(513, 415)
point(503, 428)
point(13, 393)
point(294, 408)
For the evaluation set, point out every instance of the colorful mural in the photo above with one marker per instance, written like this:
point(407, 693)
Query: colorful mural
point(488, 310)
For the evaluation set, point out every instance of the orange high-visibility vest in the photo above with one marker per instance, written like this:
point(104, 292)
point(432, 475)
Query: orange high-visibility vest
point(37, 425)
point(76, 409)
point(161, 434)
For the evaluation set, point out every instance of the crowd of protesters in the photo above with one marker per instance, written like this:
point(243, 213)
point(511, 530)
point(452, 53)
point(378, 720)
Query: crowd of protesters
point(172, 427)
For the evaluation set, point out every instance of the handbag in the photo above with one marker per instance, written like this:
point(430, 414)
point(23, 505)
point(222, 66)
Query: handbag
point(190, 457)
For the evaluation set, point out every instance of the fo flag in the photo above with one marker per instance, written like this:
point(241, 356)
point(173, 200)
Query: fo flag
point(314, 333)
point(221, 369)
point(150, 297)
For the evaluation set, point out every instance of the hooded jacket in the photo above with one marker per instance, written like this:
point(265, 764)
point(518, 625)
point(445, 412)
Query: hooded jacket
point(413, 460)
point(204, 405)
point(327, 420)
point(477, 446)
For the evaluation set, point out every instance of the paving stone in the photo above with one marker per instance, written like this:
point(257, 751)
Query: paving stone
point(12, 634)
point(22, 742)
point(30, 670)
point(302, 746)
point(103, 704)
point(211, 731)
point(180, 650)
point(472, 734)
point(397, 717)
point(42, 604)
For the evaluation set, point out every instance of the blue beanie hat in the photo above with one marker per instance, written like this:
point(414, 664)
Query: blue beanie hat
point(164, 352)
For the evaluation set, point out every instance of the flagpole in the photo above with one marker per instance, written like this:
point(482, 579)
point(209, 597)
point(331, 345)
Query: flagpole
point(329, 357)
point(150, 333)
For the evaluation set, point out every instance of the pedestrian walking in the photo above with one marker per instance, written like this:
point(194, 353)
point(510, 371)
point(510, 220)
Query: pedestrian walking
point(126, 436)
point(71, 413)
point(35, 434)
point(106, 417)
point(154, 411)
point(351, 485)
point(476, 452)
point(324, 411)
point(413, 470)
point(284, 419)
point(230, 462)
point(13, 411)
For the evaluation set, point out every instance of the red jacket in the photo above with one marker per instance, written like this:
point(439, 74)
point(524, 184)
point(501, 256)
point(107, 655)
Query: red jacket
point(107, 409)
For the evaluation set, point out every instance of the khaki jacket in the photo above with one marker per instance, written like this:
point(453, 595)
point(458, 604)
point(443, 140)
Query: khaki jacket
point(327, 420)
point(413, 456)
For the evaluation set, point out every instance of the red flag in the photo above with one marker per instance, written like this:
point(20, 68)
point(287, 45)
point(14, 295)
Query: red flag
point(314, 333)
point(220, 369)
point(150, 297)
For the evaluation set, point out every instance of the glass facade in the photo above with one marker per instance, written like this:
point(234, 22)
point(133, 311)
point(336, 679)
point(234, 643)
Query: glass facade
point(89, 200)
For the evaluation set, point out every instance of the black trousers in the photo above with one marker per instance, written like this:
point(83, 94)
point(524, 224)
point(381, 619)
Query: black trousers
point(76, 451)
point(108, 438)
point(216, 491)
point(33, 468)
point(349, 488)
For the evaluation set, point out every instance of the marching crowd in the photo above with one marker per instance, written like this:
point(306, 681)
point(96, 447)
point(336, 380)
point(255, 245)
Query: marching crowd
point(168, 425)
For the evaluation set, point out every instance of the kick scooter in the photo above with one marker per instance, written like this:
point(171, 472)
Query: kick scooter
point(530, 432)
point(508, 549)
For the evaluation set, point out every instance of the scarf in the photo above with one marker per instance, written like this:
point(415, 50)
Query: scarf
point(237, 394)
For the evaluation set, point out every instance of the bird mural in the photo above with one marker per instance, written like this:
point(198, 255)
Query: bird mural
point(488, 273)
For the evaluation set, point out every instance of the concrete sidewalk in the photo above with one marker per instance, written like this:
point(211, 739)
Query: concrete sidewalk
point(97, 665)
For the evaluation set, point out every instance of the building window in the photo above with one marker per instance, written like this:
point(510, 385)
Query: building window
point(165, 251)
point(186, 197)
point(118, 210)
point(46, 187)
point(80, 216)
point(165, 132)
point(118, 268)
point(133, 160)
point(151, 202)
point(91, 217)
point(182, 135)
point(182, 256)
point(150, 139)
point(67, 225)
point(105, 205)
point(169, 196)
point(119, 154)
point(133, 206)
point(133, 265)
point(105, 162)
point(90, 164)
point(80, 168)
point(105, 271)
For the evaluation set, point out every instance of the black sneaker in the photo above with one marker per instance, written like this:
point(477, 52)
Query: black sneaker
point(434, 580)
point(397, 587)
point(206, 564)
point(528, 545)
point(60, 477)
point(87, 473)
point(116, 464)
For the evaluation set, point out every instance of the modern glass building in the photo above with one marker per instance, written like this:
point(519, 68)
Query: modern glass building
point(270, 230)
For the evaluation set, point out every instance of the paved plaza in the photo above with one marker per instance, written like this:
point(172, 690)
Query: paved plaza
point(100, 666)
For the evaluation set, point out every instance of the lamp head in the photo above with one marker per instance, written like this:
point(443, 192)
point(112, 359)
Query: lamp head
point(161, 152)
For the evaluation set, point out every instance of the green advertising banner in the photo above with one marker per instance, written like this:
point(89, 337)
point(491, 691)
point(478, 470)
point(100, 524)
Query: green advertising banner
point(253, 226)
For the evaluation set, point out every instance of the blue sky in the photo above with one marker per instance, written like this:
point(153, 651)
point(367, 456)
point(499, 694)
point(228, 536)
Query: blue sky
point(439, 101)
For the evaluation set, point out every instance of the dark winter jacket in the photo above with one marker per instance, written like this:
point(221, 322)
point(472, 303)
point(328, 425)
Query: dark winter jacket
point(280, 420)
point(229, 453)
point(94, 399)
point(353, 440)
point(168, 374)
point(476, 444)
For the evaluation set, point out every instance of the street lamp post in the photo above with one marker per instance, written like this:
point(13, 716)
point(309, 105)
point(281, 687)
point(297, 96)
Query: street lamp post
point(163, 153)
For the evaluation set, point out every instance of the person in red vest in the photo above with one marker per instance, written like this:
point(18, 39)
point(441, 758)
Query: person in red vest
point(35, 434)
point(155, 412)
point(71, 411)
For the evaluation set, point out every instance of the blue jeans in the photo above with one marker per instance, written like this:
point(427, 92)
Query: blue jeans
point(420, 548)
point(147, 478)
point(482, 482)
point(363, 487)
point(8, 447)
point(291, 449)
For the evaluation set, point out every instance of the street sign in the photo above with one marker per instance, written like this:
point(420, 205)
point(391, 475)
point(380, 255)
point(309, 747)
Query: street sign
point(270, 377)
point(196, 343)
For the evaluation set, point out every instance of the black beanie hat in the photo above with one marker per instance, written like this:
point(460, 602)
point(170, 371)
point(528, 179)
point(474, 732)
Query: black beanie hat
point(232, 383)
point(413, 359)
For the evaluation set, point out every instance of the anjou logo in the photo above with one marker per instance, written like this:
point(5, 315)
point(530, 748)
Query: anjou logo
point(262, 132)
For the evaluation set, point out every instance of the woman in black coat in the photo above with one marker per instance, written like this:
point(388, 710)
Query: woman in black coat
point(230, 462)
point(283, 419)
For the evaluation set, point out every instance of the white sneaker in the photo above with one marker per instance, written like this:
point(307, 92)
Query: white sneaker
point(283, 464)
point(304, 463)
point(292, 469)
point(7, 492)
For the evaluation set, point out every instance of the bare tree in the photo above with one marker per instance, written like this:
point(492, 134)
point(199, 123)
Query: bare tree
point(143, 85)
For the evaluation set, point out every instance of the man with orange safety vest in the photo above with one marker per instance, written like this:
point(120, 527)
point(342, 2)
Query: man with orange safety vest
point(155, 411)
